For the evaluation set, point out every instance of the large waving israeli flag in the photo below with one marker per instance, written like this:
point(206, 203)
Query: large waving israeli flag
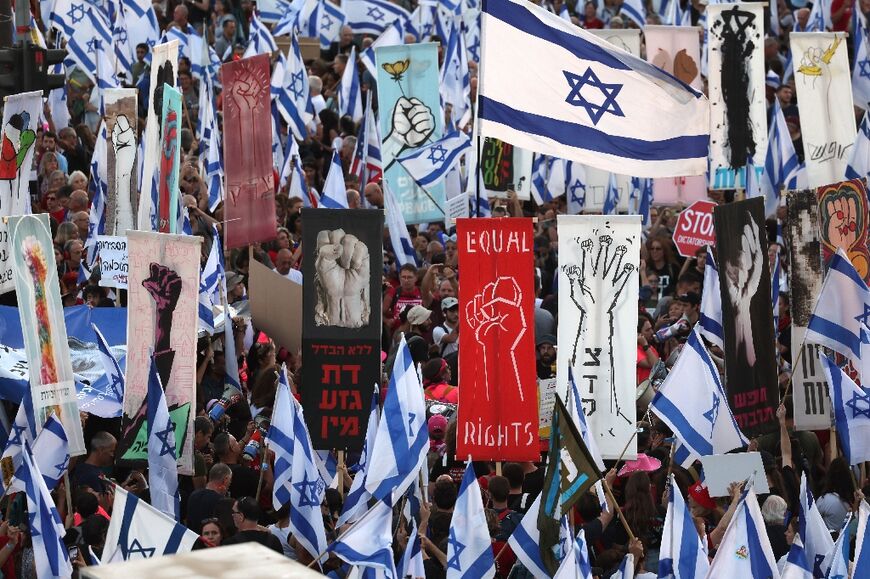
point(291, 92)
point(368, 542)
point(682, 554)
point(469, 548)
point(429, 165)
point(525, 542)
point(332, 18)
point(816, 539)
point(861, 70)
point(260, 38)
point(583, 99)
point(699, 416)
point(281, 442)
point(781, 163)
point(851, 406)
point(373, 16)
point(139, 531)
point(840, 318)
point(349, 95)
point(403, 439)
point(358, 497)
point(162, 453)
point(50, 454)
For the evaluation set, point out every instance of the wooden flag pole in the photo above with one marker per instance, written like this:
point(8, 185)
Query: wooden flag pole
point(340, 468)
point(624, 450)
point(68, 492)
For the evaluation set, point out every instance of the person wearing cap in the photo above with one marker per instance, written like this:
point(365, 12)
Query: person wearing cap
point(437, 431)
point(235, 287)
point(546, 349)
point(446, 335)
point(418, 321)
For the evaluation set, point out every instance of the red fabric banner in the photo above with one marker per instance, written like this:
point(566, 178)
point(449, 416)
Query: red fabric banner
point(249, 207)
point(498, 404)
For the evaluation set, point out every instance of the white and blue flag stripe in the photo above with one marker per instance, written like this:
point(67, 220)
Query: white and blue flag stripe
point(429, 165)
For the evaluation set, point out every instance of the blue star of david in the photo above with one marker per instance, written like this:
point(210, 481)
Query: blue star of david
point(595, 110)
point(34, 530)
point(578, 185)
point(76, 13)
point(473, 50)
point(295, 88)
point(437, 155)
point(93, 45)
point(167, 439)
point(115, 385)
point(458, 548)
point(377, 14)
point(122, 35)
point(17, 431)
point(864, 317)
point(713, 413)
point(308, 492)
point(817, 566)
point(326, 21)
point(151, 43)
point(62, 466)
point(864, 68)
point(136, 547)
point(856, 399)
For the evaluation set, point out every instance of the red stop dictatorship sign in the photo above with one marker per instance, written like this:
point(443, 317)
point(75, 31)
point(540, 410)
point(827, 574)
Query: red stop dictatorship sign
point(695, 228)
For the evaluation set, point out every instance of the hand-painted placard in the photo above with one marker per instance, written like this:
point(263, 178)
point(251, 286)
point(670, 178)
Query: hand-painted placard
point(121, 121)
point(598, 261)
point(498, 410)
point(114, 264)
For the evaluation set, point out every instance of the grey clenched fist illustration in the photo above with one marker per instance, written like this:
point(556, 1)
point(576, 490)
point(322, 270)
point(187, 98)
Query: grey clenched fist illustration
point(341, 280)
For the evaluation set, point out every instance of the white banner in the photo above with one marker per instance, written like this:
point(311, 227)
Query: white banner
point(628, 39)
point(598, 318)
point(809, 387)
point(738, 108)
point(164, 69)
point(824, 91)
point(114, 265)
point(20, 118)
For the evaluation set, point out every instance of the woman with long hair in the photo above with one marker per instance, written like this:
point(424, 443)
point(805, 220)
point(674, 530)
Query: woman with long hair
point(661, 261)
point(838, 492)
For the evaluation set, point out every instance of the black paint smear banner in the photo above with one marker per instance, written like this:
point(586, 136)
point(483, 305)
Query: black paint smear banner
point(747, 315)
point(342, 268)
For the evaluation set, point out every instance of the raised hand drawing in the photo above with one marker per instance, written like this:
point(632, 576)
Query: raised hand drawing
point(342, 271)
point(124, 145)
point(600, 263)
point(164, 286)
point(743, 277)
point(842, 221)
point(499, 308)
point(412, 123)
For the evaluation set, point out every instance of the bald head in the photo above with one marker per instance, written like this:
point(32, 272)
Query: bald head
point(283, 261)
point(374, 195)
point(78, 200)
point(353, 199)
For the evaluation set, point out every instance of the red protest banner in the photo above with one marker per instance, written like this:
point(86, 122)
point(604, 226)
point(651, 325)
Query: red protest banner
point(498, 405)
point(249, 207)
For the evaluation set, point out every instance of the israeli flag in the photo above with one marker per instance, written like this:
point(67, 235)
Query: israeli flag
point(634, 11)
point(557, 179)
point(820, 17)
point(626, 568)
point(862, 543)
point(411, 564)
point(209, 284)
point(100, 176)
point(839, 320)
point(393, 35)
point(260, 40)
point(137, 530)
point(540, 190)
point(861, 70)
point(46, 528)
point(775, 277)
point(675, 16)
point(575, 563)
point(699, 416)
point(525, 542)
point(859, 161)
point(349, 97)
point(334, 190)
point(280, 442)
point(813, 532)
point(851, 405)
point(583, 99)
point(455, 80)
point(272, 10)
point(125, 53)
point(210, 146)
point(358, 498)
point(578, 415)
point(142, 25)
point(611, 197)
point(840, 555)
point(108, 402)
point(575, 187)
point(400, 239)
point(57, 100)
point(50, 454)
point(745, 548)
point(403, 438)
point(469, 548)
point(710, 320)
point(797, 565)
point(298, 184)
point(298, 15)
point(368, 543)
point(332, 19)
point(781, 164)
point(373, 16)
point(366, 164)
point(306, 489)
point(162, 453)
point(88, 41)
point(682, 554)
point(646, 199)
point(429, 165)
point(23, 432)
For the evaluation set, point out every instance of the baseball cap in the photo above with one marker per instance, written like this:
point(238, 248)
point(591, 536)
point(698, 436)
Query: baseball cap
point(701, 495)
point(546, 339)
point(437, 425)
point(417, 315)
point(449, 302)
point(689, 298)
point(233, 279)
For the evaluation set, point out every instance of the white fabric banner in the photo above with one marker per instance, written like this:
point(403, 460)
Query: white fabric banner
point(20, 118)
point(824, 89)
point(598, 317)
point(164, 69)
point(161, 318)
point(121, 124)
point(736, 35)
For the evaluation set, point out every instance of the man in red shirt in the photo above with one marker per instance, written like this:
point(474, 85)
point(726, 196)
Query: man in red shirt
point(406, 294)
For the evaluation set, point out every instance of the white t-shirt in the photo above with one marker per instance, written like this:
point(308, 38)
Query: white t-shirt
point(438, 334)
point(294, 275)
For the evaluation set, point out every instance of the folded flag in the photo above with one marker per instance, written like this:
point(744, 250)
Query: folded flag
point(699, 416)
point(583, 99)
point(429, 165)
point(851, 406)
point(139, 531)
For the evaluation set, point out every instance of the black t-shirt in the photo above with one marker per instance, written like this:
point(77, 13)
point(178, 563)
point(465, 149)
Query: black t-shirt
point(534, 483)
point(200, 506)
point(263, 537)
point(245, 481)
point(90, 475)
